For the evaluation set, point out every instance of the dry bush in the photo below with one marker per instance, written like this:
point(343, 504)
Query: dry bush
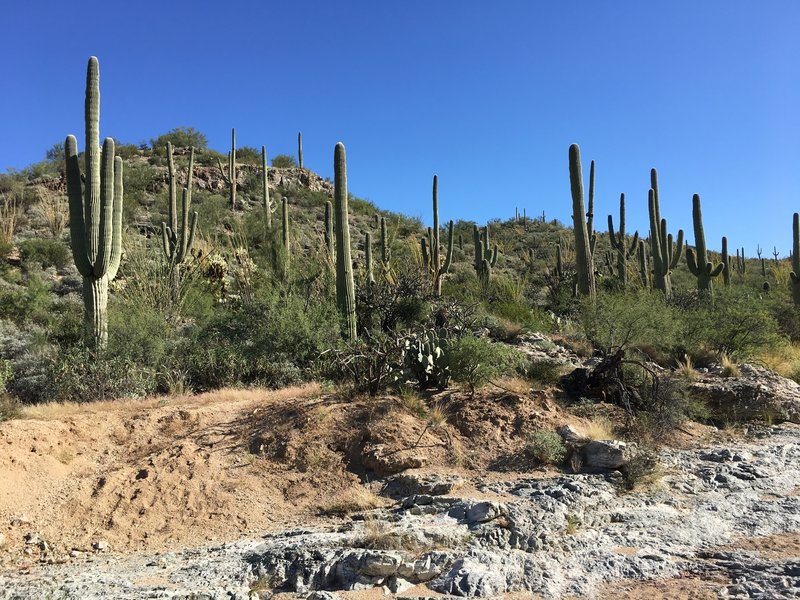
point(354, 500)
point(598, 428)
point(9, 212)
point(54, 210)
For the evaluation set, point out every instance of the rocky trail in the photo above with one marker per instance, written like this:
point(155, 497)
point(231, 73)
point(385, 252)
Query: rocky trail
point(722, 521)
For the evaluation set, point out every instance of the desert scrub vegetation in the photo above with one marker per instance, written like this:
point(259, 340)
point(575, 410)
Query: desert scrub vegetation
point(545, 447)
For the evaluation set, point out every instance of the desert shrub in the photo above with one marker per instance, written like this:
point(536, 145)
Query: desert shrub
point(625, 320)
point(642, 468)
point(736, 322)
point(387, 307)
point(248, 155)
point(45, 253)
point(9, 408)
point(269, 341)
point(475, 360)
point(546, 447)
point(283, 161)
point(29, 355)
point(31, 301)
point(530, 318)
point(369, 363)
point(180, 137)
point(543, 371)
point(79, 375)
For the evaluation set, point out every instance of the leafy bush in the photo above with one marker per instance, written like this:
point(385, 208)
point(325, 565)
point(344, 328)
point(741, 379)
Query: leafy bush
point(546, 447)
point(45, 253)
point(181, 137)
point(31, 301)
point(475, 360)
point(283, 161)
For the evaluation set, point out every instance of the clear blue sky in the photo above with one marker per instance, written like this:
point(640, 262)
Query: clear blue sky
point(488, 95)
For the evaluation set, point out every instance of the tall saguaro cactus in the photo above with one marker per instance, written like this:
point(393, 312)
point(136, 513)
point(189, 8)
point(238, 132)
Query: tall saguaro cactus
point(485, 255)
point(439, 269)
point(726, 260)
point(795, 273)
point(618, 242)
point(285, 227)
point(385, 251)
point(95, 213)
point(699, 265)
point(300, 148)
point(583, 252)
point(590, 213)
point(177, 241)
point(644, 271)
point(345, 289)
point(665, 253)
point(368, 258)
point(329, 235)
point(229, 175)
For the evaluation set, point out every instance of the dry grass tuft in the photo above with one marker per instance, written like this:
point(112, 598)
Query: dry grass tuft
point(784, 360)
point(514, 385)
point(685, 368)
point(9, 212)
point(413, 402)
point(354, 500)
point(729, 367)
point(598, 428)
point(58, 410)
point(380, 535)
point(437, 415)
point(54, 210)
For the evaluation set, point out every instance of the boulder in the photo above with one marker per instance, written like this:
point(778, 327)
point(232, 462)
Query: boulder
point(606, 454)
point(757, 394)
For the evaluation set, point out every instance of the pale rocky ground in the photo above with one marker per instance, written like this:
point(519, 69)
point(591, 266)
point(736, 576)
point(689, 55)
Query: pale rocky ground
point(230, 495)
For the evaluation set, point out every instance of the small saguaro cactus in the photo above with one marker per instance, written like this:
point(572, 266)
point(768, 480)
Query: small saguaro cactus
point(583, 251)
point(385, 251)
point(795, 273)
point(699, 264)
point(644, 271)
point(665, 254)
point(300, 148)
point(368, 257)
point(726, 260)
point(345, 289)
point(229, 175)
point(177, 241)
point(618, 243)
point(269, 204)
point(95, 213)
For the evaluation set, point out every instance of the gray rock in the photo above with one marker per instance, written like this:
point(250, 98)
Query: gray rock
point(606, 454)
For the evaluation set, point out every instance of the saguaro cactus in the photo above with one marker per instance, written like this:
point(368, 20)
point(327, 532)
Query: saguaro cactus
point(385, 252)
point(665, 254)
point(699, 265)
point(269, 204)
point(300, 148)
point(368, 257)
point(726, 260)
point(583, 252)
point(795, 273)
point(285, 227)
point(483, 252)
point(644, 271)
point(618, 242)
point(590, 212)
point(95, 213)
point(345, 290)
point(438, 268)
point(229, 175)
point(177, 242)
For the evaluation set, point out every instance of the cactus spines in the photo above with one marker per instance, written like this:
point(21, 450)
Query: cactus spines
point(95, 209)
point(269, 204)
point(300, 148)
point(345, 289)
point(665, 254)
point(368, 257)
point(726, 260)
point(329, 235)
point(795, 273)
point(229, 175)
point(583, 252)
point(699, 264)
point(618, 242)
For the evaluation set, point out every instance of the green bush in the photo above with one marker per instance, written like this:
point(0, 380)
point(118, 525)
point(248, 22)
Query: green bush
point(181, 137)
point(546, 447)
point(475, 360)
point(30, 301)
point(45, 253)
point(283, 161)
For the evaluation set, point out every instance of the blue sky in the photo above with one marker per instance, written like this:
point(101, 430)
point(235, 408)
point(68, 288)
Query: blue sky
point(487, 95)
